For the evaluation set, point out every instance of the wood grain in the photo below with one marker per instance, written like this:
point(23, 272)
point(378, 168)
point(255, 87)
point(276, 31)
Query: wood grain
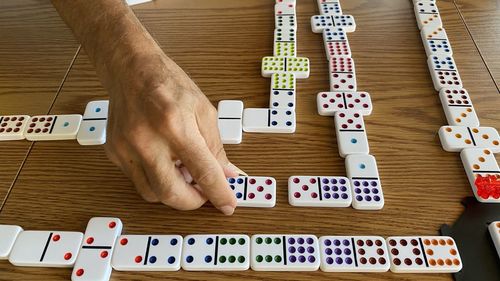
point(35, 51)
point(220, 44)
point(481, 17)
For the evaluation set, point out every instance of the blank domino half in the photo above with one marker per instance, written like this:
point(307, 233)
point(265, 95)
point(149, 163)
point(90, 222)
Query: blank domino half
point(254, 191)
point(319, 191)
point(12, 127)
point(147, 253)
point(95, 119)
point(52, 127)
point(494, 229)
point(229, 121)
point(8, 235)
point(353, 254)
point(269, 120)
point(366, 186)
point(481, 162)
point(456, 138)
point(215, 252)
point(423, 254)
point(277, 252)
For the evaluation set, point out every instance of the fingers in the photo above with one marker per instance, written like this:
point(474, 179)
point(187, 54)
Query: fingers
point(207, 171)
point(167, 182)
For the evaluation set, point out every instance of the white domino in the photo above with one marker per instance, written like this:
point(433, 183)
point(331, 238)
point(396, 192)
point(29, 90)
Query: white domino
point(351, 133)
point(444, 72)
point(279, 252)
point(285, 21)
point(494, 229)
point(285, 43)
point(52, 127)
point(481, 163)
point(319, 191)
point(330, 102)
point(329, 7)
point(336, 42)
point(254, 191)
point(423, 254)
point(436, 41)
point(94, 260)
point(46, 248)
point(366, 186)
point(230, 115)
point(294, 65)
point(12, 127)
point(427, 14)
point(147, 253)
point(342, 74)
point(229, 252)
point(353, 254)
point(8, 235)
point(456, 138)
point(458, 107)
point(320, 22)
point(286, 2)
point(269, 120)
point(282, 91)
point(95, 119)
point(284, 9)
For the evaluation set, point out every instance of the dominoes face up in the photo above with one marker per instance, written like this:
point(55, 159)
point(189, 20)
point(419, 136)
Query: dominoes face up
point(342, 74)
point(431, 254)
point(12, 127)
point(284, 9)
point(282, 91)
point(320, 22)
point(336, 42)
point(53, 127)
point(46, 248)
point(456, 138)
point(494, 229)
point(297, 66)
point(8, 235)
point(365, 182)
point(254, 191)
point(329, 8)
point(147, 253)
point(330, 102)
point(480, 162)
point(229, 121)
point(436, 41)
point(272, 120)
point(444, 72)
point(351, 133)
point(95, 119)
point(216, 252)
point(353, 254)
point(284, 42)
point(94, 260)
point(458, 107)
point(319, 191)
point(285, 21)
point(427, 14)
point(284, 252)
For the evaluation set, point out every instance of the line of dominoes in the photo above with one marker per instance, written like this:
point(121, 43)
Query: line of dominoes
point(362, 187)
point(284, 67)
point(103, 247)
point(463, 133)
point(89, 129)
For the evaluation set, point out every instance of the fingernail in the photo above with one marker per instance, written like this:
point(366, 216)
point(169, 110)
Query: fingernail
point(236, 169)
point(227, 210)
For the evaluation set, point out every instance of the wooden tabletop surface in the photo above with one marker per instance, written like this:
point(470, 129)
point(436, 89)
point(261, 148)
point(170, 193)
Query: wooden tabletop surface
point(61, 185)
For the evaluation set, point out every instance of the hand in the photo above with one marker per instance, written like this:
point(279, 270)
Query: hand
point(158, 119)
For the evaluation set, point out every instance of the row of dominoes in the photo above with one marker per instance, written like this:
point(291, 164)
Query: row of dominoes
point(102, 248)
point(463, 133)
point(87, 130)
point(348, 106)
point(361, 188)
point(284, 67)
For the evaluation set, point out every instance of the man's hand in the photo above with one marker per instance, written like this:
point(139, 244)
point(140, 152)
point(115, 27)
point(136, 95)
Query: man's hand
point(162, 130)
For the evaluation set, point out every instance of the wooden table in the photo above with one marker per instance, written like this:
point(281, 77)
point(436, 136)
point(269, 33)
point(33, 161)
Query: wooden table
point(61, 185)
